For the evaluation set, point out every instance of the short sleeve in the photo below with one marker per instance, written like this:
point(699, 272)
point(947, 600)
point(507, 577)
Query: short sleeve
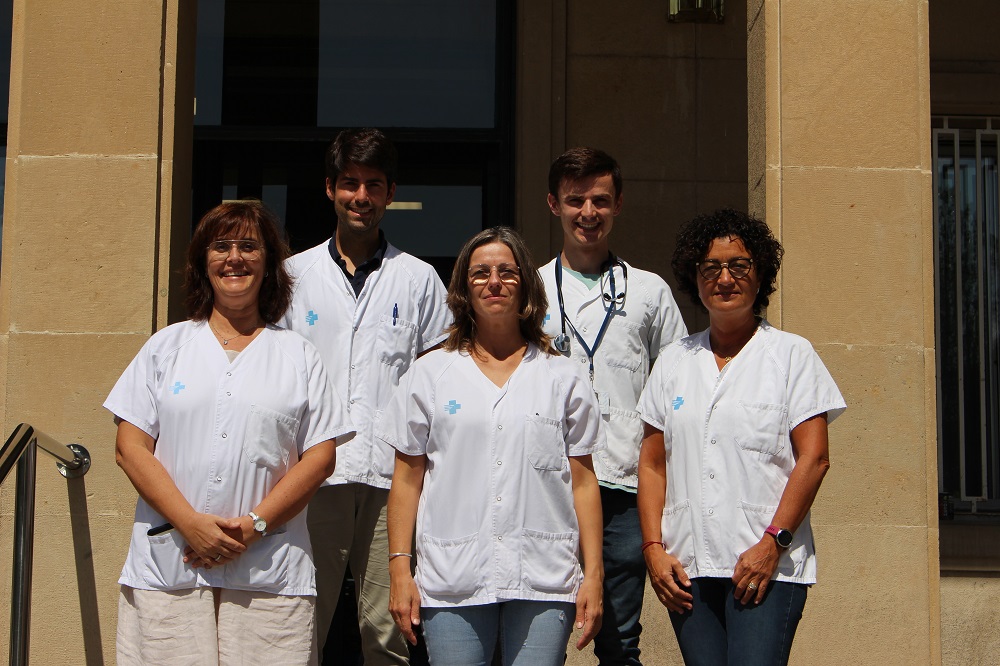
point(668, 325)
point(651, 405)
point(405, 422)
point(325, 415)
point(132, 398)
point(811, 389)
point(435, 316)
point(584, 426)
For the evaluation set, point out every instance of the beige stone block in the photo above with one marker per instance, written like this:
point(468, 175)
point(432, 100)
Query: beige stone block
point(970, 624)
point(878, 447)
point(659, 96)
point(870, 605)
point(645, 233)
point(93, 71)
point(70, 410)
point(598, 28)
point(83, 243)
point(3, 383)
point(855, 258)
point(854, 85)
point(722, 120)
point(77, 560)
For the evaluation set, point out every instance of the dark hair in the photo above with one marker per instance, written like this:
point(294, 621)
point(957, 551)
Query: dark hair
point(366, 146)
point(577, 163)
point(462, 333)
point(696, 236)
point(235, 219)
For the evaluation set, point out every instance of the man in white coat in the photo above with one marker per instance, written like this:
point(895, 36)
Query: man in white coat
point(370, 309)
point(614, 319)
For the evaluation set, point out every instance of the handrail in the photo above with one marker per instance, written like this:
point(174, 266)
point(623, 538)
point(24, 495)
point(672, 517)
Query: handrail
point(20, 448)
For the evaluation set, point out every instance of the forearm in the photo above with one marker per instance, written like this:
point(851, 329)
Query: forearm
point(652, 485)
point(401, 511)
point(294, 490)
point(809, 441)
point(134, 454)
point(587, 503)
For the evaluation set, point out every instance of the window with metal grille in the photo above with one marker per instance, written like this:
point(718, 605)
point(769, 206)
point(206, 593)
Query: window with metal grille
point(966, 251)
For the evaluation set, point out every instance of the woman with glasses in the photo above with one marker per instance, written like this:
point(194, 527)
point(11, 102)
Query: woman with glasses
point(734, 451)
point(493, 482)
point(226, 428)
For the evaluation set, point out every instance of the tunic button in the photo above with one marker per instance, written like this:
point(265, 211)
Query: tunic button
point(498, 499)
point(229, 374)
point(224, 435)
point(499, 427)
point(228, 393)
point(711, 512)
point(218, 478)
point(353, 366)
point(713, 441)
point(500, 538)
point(499, 462)
point(711, 476)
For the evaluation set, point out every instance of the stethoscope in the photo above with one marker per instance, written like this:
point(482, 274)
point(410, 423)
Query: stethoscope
point(613, 299)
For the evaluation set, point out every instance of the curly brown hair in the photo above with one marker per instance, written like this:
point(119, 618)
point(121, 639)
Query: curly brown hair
point(696, 236)
point(533, 306)
point(239, 219)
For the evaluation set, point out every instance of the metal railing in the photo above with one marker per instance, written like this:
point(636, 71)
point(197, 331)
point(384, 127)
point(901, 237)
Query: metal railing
point(20, 449)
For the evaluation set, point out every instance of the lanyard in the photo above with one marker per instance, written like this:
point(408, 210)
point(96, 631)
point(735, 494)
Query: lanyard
point(609, 313)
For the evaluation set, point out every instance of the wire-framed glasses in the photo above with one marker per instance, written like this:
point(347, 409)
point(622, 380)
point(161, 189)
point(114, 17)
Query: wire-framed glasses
point(479, 274)
point(711, 269)
point(247, 248)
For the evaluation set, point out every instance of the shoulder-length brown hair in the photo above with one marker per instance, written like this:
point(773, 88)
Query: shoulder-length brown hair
point(533, 306)
point(236, 219)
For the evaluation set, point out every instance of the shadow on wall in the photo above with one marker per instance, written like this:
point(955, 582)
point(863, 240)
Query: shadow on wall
point(83, 556)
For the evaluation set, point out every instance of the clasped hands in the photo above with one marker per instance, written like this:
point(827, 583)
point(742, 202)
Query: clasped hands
point(214, 541)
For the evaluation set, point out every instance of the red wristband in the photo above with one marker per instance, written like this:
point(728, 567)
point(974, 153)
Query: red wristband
point(651, 543)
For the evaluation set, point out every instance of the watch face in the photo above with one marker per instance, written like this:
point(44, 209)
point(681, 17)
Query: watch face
point(260, 525)
point(784, 538)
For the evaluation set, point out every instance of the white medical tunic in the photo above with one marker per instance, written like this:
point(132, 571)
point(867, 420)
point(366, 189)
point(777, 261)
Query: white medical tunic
point(644, 323)
point(226, 433)
point(496, 518)
point(729, 454)
point(367, 341)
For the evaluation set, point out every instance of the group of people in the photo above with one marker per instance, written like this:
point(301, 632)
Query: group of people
point(498, 463)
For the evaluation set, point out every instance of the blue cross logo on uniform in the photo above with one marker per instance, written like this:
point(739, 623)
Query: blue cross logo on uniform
point(177, 387)
point(453, 406)
point(311, 318)
point(678, 401)
point(547, 317)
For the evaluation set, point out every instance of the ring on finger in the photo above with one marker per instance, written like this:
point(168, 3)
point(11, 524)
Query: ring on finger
point(752, 586)
point(218, 558)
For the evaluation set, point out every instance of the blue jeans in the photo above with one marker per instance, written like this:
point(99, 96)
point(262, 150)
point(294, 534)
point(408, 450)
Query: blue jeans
point(532, 633)
point(720, 630)
point(617, 643)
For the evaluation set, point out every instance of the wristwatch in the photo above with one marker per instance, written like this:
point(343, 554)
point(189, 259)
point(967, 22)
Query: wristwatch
point(781, 536)
point(259, 524)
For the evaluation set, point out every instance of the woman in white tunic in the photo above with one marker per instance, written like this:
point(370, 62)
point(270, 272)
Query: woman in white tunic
point(226, 427)
point(734, 451)
point(494, 436)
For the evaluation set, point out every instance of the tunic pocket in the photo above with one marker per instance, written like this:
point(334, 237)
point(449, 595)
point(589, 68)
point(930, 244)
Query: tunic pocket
point(166, 569)
point(395, 349)
point(263, 566)
point(678, 533)
point(448, 567)
point(269, 438)
point(543, 442)
point(549, 561)
point(766, 424)
point(750, 531)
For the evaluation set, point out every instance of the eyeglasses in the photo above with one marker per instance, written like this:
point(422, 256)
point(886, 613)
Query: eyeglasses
point(508, 273)
point(711, 269)
point(248, 249)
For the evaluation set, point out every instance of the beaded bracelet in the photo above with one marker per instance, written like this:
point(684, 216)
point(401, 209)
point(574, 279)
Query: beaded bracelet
point(651, 543)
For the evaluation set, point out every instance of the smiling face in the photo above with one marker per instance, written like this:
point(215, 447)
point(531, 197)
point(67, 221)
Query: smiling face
point(360, 196)
point(237, 274)
point(587, 208)
point(494, 298)
point(727, 296)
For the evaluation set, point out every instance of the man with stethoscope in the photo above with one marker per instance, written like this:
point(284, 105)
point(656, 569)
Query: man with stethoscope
point(614, 319)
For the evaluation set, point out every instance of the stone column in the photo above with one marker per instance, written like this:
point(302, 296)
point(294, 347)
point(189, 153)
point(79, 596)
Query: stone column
point(839, 165)
point(100, 94)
